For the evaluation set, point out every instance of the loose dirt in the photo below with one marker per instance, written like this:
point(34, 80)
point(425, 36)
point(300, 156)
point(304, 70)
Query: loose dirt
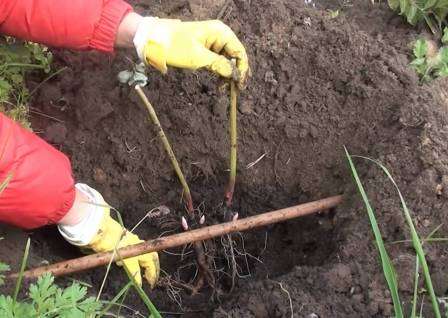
point(318, 84)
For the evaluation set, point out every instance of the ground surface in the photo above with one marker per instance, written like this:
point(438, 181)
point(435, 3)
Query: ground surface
point(318, 83)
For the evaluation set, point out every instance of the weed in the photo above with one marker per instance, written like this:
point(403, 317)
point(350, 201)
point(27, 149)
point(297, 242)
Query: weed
point(16, 58)
point(3, 268)
point(46, 299)
point(143, 296)
point(333, 14)
point(433, 12)
point(429, 61)
point(388, 269)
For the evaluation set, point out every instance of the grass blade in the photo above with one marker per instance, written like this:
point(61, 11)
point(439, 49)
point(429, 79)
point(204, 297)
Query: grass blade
point(417, 273)
point(152, 309)
point(388, 269)
point(416, 241)
point(115, 299)
point(22, 269)
point(415, 294)
point(5, 182)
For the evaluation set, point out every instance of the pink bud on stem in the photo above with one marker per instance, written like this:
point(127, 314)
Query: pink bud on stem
point(184, 224)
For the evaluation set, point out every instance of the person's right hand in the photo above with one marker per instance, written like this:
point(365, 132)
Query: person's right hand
point(192, 45)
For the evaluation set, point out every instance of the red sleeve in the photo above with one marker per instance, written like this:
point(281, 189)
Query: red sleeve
point(41, 190)
point(74, 24)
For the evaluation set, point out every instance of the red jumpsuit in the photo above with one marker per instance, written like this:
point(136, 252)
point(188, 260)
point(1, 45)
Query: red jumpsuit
point(41, 189)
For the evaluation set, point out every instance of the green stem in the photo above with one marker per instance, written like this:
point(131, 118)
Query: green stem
point(47, 79)
point(168, 149)
point(233, 143)
point(22, 269)
point(24, 65)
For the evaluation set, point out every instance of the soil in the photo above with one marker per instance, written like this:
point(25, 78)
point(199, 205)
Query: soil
point(318, 83)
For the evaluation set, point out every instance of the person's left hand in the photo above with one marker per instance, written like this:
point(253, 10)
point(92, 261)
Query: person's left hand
point(192, 45)
point(112, 235)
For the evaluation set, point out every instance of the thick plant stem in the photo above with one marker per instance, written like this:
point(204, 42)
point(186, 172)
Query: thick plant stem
point(201, 260)
point(233, 143)
point(168, 149)
point(197, 235)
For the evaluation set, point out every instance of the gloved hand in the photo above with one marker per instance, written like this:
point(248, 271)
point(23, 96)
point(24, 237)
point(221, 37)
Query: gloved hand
point(191, 45)
point(109, 234)
point(99, 232)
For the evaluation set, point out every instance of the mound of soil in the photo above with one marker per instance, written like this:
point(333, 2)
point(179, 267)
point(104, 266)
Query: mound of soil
point(318, 83)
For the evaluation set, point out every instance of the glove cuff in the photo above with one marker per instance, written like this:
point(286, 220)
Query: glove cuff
point(152, 39)
point(81, 234)
point(144, 29)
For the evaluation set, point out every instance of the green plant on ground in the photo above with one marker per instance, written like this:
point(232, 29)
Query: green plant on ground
point(433, 12)
point(17, 58)
point(3, 268)
point(387, 266)
point(46, 299)
point(429, 61)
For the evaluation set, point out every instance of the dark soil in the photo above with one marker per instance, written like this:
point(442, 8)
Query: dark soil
point(318, 83)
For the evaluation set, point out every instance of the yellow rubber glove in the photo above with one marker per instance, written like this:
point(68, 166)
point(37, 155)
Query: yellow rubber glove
point(191, 45)
point(110, 232)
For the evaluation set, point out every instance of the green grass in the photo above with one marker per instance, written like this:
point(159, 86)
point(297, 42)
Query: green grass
point(143, 296)
point(22, 269)
point(388, 269)
point(17, 58)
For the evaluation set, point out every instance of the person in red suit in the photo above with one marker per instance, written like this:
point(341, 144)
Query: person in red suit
point(40, 186)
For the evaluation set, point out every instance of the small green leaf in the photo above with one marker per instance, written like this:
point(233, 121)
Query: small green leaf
point(3, 268)
point(4, 85)
point(393, 4)
point(17, 79)
point(428, 4)
point(404, 6)
point(441, 4)
point(334, 14)
point(443, 72)
point(418, 62)
point(413, 14)
point(420, 48)
point(6, 306)
point(443, 53)
point(445, 36)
